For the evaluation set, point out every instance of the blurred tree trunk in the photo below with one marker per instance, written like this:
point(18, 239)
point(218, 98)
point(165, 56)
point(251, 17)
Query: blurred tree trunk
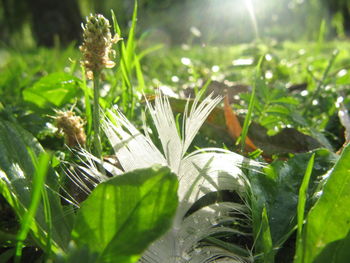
point(53, 19)
point(346, 17)
point(14, 15)
point(342, 7)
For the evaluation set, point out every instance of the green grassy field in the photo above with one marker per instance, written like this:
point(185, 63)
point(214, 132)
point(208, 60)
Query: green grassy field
point(276, 187)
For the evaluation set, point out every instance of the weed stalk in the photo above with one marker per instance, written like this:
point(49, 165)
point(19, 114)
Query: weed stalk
point(97, 48)
point(96, 116)
point(321, 83)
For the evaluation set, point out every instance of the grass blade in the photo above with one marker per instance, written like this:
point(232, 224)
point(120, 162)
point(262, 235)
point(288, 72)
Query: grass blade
point(48, 220)
point(38, 184)
point(301, 209)
point(115, 24)
point(266, 239)
point(248, 117)
point(322, 32)
point(126, 61)
point(130, 46)
point(139, 74)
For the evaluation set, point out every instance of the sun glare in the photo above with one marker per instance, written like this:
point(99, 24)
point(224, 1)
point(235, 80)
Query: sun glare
point(250, 7)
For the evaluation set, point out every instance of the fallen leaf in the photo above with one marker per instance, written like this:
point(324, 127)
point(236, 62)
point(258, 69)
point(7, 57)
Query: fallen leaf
point(226, 88)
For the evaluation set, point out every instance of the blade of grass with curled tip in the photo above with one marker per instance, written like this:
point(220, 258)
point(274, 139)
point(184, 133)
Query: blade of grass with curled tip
point(39, 164)
point(266, 239)
point(301, 209)
point(49, 223)
point(38, 184)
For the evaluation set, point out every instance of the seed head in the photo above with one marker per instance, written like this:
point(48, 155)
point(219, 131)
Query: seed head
point(72, 127)
point(97, 44)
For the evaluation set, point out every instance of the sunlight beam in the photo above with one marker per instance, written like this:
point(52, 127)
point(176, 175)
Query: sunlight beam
point(250, 7)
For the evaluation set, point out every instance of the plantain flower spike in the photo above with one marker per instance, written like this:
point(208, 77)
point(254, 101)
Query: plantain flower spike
point(72, 126)
point(97, 45)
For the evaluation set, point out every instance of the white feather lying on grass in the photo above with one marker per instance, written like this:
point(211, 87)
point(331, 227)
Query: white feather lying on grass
point(199, 173)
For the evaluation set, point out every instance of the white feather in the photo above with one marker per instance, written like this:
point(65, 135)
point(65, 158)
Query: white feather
point(199, 173)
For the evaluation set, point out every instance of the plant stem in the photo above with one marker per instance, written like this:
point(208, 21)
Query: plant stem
point(96, 120)
point(321, 83)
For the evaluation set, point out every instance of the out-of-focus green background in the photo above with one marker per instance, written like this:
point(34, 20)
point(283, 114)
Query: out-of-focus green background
point(25, 23)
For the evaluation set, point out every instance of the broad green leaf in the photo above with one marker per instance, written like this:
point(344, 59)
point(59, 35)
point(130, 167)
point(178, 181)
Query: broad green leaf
point(328, 222)
point(53, 90)
point(278, 190)
point(75, 254)
point(335, 252)
point(17, 168)
point(123, 215)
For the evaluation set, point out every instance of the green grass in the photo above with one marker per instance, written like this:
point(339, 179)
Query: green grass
point(290, 112)
point(38, 189)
